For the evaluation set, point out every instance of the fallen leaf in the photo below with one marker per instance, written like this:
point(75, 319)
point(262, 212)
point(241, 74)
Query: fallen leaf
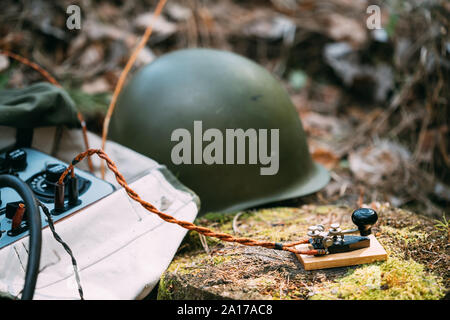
point(4, 62)
point(325, 157)
point(91, 56)
point(177, 12)
point(270, 28)
point(378, 162)
point(100, 31)
point(342, 28)
point(319, 125)
point(161, 26)
point(99, 85)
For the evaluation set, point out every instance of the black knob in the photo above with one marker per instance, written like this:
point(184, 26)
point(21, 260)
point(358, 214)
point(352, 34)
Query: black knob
point(17, 160)
point(364, 218)
point(53, 172)
point(11, 208)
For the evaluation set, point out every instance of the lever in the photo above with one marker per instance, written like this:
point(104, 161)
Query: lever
point(59, 198)
point(73, 191)
point(364, 218)
point(18, 217)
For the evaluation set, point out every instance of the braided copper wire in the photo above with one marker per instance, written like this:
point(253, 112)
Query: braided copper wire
point(168, 218)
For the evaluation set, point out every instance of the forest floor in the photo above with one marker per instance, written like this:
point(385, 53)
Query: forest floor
point(374, 103)
point(416, 268)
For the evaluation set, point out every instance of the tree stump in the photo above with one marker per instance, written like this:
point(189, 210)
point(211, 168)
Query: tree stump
point(417, 266)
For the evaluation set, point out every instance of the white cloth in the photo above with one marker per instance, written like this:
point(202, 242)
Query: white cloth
point(121, 248)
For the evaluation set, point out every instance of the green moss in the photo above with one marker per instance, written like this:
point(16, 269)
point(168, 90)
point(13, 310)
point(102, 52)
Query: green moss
point(219, 259)
point(407, 235)
point(442, 225)
point(392, 279)
point(164, 289)
point(239, 272)
point(217, 217)
point(324, 209)
point(186, 264)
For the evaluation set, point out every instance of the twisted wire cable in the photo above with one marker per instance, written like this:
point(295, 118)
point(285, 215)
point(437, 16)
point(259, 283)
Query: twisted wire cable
point(65, 246)
point(185, 224)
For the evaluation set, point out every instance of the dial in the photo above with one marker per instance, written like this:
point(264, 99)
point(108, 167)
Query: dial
point(43, 183)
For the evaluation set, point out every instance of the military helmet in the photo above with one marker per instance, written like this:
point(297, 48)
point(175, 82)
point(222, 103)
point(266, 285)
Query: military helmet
point(222, 124)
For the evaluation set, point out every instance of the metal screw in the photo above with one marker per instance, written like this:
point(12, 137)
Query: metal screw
point(328, 242)
point(335, 226)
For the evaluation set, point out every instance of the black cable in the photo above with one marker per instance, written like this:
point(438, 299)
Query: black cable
point(65, 246)
point(34, 224)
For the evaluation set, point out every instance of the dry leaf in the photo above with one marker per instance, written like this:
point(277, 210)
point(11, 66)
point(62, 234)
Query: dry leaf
point(342, 28)
point(99, 31)
point(378, 162)
point(270, 28)
point(161, 26)
point(178, 12)
point(4, 62)
point(92, 56)
point(319, 125)
point(99, 85)
point(325, 157)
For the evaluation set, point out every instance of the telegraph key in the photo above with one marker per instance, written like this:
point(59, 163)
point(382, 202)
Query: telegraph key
point(41, 172)
point(338, 248)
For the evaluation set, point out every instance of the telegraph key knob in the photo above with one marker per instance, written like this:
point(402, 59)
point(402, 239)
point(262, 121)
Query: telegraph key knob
point(364, 218)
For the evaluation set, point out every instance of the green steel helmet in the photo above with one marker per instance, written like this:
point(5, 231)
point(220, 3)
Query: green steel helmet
point(222, 124)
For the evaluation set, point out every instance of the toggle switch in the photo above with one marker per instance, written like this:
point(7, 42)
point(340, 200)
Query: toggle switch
point(73, 191)
point(11, 208)
point(18, 217)
point(59, 199)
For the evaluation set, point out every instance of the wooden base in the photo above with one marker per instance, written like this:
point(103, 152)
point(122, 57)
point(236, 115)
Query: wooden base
point(366, 255)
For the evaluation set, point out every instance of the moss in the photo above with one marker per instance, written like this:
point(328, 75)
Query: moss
point(278, 224)
point(324, 209)
point(186, 264)
point(217, 217)
point(417, 251)
point(392, 279)
point(219, 259)
point(407, 234)
point(164, 289)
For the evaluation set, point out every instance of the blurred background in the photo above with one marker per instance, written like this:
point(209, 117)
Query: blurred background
point(373, 101)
